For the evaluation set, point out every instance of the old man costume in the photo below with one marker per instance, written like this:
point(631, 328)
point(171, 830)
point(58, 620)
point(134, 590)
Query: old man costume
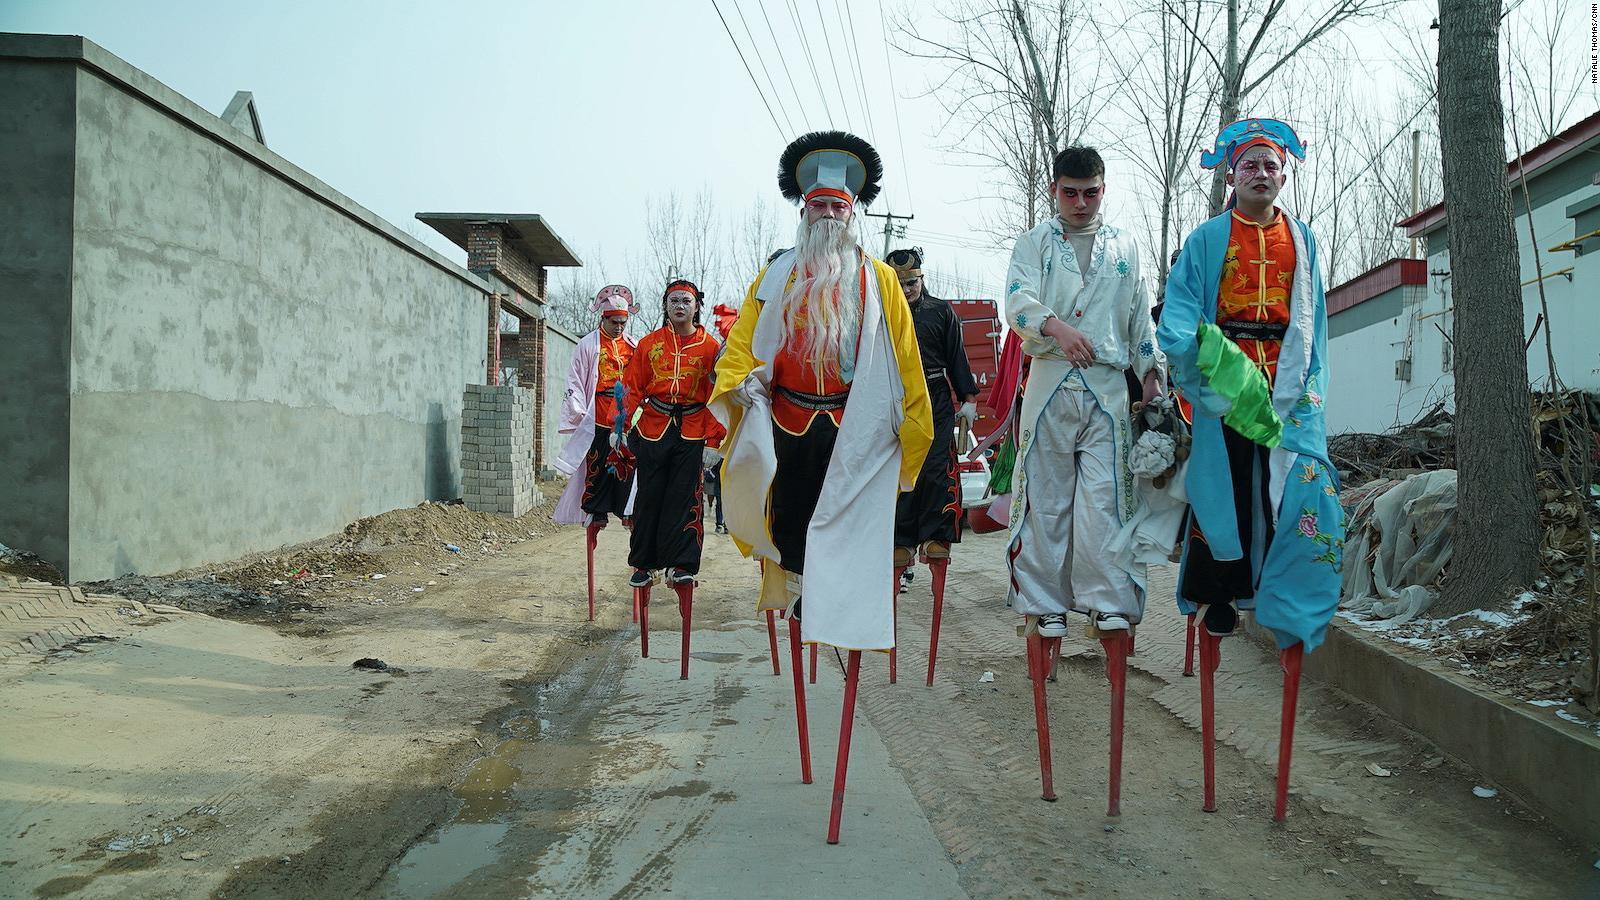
point(821, 389)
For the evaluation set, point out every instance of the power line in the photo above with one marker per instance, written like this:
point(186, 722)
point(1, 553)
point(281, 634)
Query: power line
point(784, 60)
point(753, 82)
point(905, 176)
point(838, 86)
point(854, 57)
point(805, 44)
point(756, 52)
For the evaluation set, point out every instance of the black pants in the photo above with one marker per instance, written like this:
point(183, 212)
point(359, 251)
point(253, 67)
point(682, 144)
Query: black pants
point(796, 486)
point(666, 511)
point(713, 491)
point(931, 510)
point(603, 492)
point(1208, 580)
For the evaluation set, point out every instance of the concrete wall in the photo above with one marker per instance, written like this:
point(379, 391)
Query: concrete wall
point(559, 346)
point(255, 360)
point(36, 147)
point(1365, 395)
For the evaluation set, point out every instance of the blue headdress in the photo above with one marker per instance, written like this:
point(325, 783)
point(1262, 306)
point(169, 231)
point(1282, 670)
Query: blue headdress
point(1236, 138)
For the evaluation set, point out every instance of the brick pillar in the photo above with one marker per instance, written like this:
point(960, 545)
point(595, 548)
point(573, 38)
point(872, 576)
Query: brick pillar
point(540, 410)
point(494, 340)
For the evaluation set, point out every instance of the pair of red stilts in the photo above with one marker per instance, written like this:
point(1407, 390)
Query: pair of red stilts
point(641, 603)
point(641, 613)
point(1044, 653)
point(852, 678)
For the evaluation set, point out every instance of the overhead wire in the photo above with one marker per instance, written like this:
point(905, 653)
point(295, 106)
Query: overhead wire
point(753, 82)
point(838, 86)
point(756, 52)
point(805, 45)
point(859, 71)
point(894, 94)
point(783, 58)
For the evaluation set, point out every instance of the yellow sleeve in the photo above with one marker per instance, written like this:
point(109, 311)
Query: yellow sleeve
point(737, 362)
point(916, 429)
point(738, 359)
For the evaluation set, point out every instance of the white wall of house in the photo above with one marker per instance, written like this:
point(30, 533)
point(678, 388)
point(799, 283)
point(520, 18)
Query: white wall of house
point(1365, 395)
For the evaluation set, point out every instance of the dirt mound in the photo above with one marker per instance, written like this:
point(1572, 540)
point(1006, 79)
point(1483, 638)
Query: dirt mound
point(389, 556)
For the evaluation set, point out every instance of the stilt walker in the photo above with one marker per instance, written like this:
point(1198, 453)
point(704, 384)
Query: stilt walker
point(822, 392)
point(1245, 330)
point(588, 415)
point(927, 518)
point(1076, 296)
point(674, 439)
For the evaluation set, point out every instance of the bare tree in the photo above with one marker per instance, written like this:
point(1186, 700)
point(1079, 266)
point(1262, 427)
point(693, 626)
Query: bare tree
point(1545, 39)
point(1497, 519)
point(1274, 34)
point(1170, 94)
point(758, 234)
point(1023, 79)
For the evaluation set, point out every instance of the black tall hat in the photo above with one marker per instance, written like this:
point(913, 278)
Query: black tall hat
point(834, 161)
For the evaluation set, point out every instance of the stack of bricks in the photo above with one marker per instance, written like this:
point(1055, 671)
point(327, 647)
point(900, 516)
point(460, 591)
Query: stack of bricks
point(497, 434)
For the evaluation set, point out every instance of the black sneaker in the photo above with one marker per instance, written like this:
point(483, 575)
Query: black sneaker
point(1221, 619)
point(641, 578)
point(680, 576)
point(1053, 625)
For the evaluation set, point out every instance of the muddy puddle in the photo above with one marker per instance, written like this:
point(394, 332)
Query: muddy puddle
point(513, 800)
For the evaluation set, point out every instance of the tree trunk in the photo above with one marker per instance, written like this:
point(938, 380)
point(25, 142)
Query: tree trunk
point(1497, 516)
point(1228, 105)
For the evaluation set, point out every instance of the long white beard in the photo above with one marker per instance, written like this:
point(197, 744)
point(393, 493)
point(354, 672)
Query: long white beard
point(826, 272)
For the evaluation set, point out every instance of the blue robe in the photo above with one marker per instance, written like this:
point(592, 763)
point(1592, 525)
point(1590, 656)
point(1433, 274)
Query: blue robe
point(1297, 578)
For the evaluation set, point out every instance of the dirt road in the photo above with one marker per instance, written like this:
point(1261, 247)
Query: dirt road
point(525, 752)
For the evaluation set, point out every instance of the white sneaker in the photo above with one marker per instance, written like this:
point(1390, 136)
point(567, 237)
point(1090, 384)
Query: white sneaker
point(1053, 625)
point(1111, 622)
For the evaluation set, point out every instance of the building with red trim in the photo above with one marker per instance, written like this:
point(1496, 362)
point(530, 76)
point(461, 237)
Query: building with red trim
point(1389, 329)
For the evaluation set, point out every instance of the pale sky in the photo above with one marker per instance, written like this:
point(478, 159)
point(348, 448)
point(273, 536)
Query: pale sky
point(579, 111)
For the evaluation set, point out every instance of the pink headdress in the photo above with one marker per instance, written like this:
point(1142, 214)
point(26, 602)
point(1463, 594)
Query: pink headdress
point(614, 300)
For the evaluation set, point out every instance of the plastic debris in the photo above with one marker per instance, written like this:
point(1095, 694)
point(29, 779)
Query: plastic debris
point(1484, 792)
point(1378, 770)
point(452, 548)
point(378, 576)
point(986, 678)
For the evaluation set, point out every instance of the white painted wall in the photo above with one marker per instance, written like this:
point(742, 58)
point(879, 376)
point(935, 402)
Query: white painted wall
point(1364, 394)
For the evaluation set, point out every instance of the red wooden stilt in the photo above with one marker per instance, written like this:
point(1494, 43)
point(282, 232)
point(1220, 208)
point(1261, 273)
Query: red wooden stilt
point(1188, 648)
point(1038, 667)
point(895, 593)
point(813, 678)
point(592, 537)
point(772, 641)
point(1117, 650)
point(641, 600)
point(800, 701)
point(1210, 658)
point(939, 568)
point(1290, 660)
point(685, 592)
point(842, 762)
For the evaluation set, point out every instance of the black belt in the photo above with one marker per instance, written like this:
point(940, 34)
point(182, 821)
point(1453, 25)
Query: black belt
point(1254, 331)
point(678, 410)
point(818, 402)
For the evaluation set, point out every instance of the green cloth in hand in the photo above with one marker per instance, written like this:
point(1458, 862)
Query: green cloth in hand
point(1230, 373)
point(1005, 460)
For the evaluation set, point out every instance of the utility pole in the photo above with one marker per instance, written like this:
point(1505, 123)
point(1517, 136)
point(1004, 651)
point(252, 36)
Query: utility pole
point(1416, 181)
point(890, 229)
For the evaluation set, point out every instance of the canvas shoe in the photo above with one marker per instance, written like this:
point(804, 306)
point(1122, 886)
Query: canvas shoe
point(1053, 625)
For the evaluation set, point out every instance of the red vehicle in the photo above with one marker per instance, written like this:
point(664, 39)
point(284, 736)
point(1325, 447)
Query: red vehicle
point(980, 332)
